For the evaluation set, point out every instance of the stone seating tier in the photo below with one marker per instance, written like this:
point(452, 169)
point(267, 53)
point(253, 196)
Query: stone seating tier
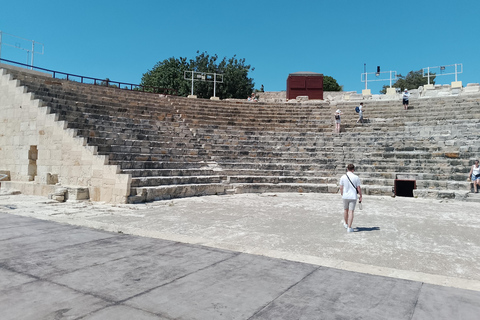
point(169, 145)
point(174, 180)
point(179, 172)
point(170, 163)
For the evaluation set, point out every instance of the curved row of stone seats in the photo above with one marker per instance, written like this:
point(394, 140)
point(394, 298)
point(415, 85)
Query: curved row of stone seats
point(262, 116)
point(246, 149)
point(38, 79)
point(265, 147)
point(423, 109)
point(136, 131)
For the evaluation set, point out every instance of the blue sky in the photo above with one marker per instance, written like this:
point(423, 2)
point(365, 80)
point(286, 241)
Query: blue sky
point(122, 39)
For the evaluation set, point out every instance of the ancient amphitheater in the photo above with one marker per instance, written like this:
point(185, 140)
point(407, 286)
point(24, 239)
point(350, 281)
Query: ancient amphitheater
point(122, 146)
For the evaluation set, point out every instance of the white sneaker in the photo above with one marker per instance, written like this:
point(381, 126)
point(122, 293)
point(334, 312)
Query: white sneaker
point(345, 225)
point(349, 229)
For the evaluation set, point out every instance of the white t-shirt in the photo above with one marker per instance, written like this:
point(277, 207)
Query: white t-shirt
point(406, 95)
point(475, 170)
point(349, 192)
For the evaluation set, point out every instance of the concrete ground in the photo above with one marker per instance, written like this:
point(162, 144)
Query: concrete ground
point(249, 256)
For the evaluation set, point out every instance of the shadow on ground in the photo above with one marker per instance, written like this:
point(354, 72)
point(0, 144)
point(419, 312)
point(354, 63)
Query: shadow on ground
point(361, 229)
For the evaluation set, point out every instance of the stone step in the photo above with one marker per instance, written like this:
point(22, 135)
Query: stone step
point(440, 194)
point(152, 151)
point(314, 157)
point(170, 142)
point(319, 171)
point(135, 173)
point(167, 164)
point(156, 157)
point(423, 184)
point(443, 171)
point(102, 134)
point(145, 194)
point(152, 181)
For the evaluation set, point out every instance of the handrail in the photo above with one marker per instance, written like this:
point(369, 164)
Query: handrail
point(3, 176)
point(103, 82)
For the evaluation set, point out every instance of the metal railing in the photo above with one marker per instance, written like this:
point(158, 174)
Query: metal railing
point(3, 176)
point(96, 81)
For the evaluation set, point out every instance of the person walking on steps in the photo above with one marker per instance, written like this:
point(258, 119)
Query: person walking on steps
point(350, 189)
point(405, 96)
point(337, 120)
point(360, 113)
point(475, 176)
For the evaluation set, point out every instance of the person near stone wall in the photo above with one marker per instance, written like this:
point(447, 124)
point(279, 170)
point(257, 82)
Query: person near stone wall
point(337, 121)
point(350, 190)
point(474, 175)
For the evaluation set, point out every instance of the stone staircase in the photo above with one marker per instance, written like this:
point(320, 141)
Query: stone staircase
point(137, 132)
point(292, 147)
point(176, 147)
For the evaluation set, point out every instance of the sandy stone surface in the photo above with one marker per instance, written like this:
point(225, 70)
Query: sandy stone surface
point(425, 240)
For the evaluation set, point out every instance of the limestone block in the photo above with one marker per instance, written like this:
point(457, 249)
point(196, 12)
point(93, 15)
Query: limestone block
point(302, 98)
point(391, 92)
point(366, 92)
point(457, 84)
point(472, 88)
point(450, 142)
point(57, 197)
point(51, 178)
point(332, 188)
point(77, 193)
point(424, 193)
point(106, 194)
point(442, 194)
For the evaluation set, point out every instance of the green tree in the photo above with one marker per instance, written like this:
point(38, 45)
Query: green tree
point(413, 80)
point(330, 84)
point(169, 73)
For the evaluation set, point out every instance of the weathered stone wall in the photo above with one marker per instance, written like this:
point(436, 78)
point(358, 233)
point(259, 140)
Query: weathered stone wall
point(281, 96)
point(424, 91)
point(34, 147)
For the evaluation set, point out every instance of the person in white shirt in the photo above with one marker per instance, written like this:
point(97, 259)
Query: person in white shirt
point(360, 113)
point(474, 175)
point(350, 189)
point(405, 96)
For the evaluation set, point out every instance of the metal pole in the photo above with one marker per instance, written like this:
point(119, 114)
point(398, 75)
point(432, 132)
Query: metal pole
point(455, 72)
point(33, 52)
point(192, 84)
point(390, 78)
point(428, 75)
point(214, 83)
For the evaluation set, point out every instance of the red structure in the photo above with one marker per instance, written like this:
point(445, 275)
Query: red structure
point(305, 84)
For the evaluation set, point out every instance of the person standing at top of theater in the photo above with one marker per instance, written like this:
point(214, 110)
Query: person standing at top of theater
point(406, 97)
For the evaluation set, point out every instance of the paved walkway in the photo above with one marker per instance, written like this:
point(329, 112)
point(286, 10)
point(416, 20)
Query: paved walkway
point(269, 256)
